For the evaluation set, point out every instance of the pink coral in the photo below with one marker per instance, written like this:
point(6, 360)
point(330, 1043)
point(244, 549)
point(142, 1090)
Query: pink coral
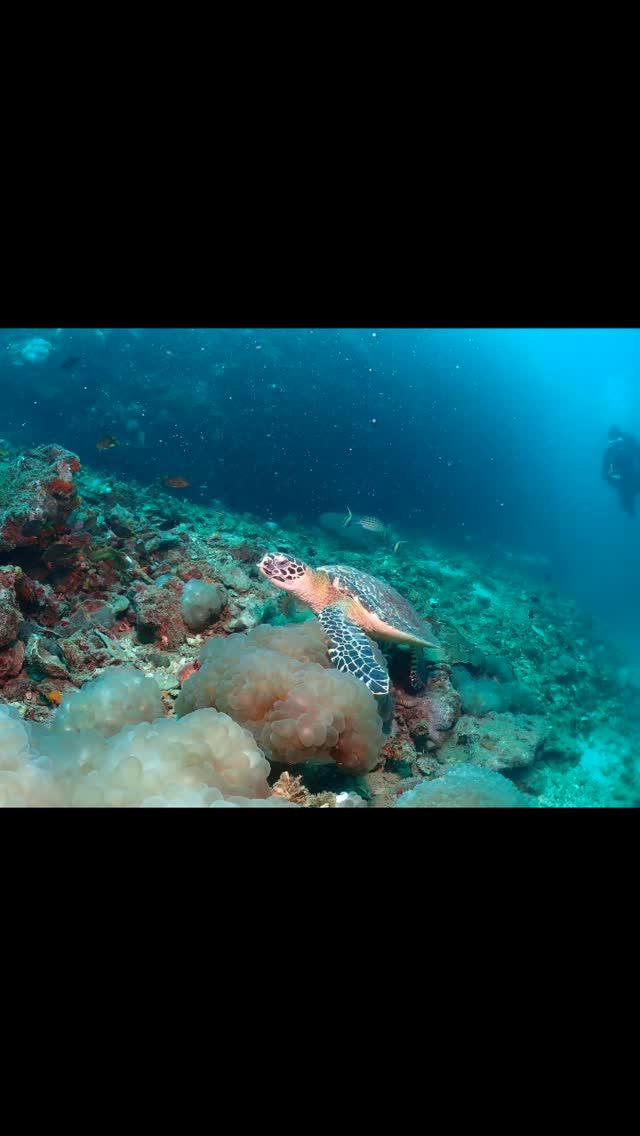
point(297, 709)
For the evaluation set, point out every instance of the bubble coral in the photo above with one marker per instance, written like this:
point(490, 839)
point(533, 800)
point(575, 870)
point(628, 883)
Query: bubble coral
point(122, 697)
point(205, 760)
point(278, 684)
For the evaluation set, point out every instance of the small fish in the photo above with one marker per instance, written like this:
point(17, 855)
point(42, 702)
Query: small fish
point(176, 482)
point(397, 544)
point(54, 696)
point(70, 362)
point(107, 443)
point(373, 524)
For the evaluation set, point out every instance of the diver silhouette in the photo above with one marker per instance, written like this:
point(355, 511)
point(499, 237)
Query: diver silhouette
point(621, 467)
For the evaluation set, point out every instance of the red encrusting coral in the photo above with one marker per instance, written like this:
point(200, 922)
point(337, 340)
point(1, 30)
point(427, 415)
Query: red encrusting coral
point(58, 485)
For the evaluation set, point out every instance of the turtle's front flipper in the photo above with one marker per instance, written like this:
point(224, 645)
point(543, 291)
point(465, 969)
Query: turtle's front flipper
point(352, 651)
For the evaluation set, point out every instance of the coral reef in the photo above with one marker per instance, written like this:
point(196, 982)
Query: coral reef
point(101, 577)
point(37, 494)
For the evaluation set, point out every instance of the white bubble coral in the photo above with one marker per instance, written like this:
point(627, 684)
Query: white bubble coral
point(22, 782)
point(205, 760)
point(122, 696)
point(296, 710)
point(175, 762)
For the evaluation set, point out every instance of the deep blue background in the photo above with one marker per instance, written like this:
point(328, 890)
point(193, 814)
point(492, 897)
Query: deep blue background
point(478, 437)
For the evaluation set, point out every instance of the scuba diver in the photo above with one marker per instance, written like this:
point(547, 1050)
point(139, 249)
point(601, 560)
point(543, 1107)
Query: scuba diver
point(621, 467)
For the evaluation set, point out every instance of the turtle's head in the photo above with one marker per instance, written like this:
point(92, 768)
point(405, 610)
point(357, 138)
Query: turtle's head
point(283, 571)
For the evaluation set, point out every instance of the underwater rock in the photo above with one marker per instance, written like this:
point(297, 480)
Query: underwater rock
point(84, 651)
point(497, 742)
point(457, 647)
point(564, 668)
point(246, 612)
point(482, 696)
point(40, 661)
point(36, 594)
point(88, 521)
point(162, 543)
point(496, 667)
point(429, 716)
point(37, 494)
point(11, 661)
point(121, 521)
point(65, 553)
point(235, 577)
point(11, 617)
point(245, 553)
point(201, 603)
point(90, 613)
point(465, 787)
point(158, 616)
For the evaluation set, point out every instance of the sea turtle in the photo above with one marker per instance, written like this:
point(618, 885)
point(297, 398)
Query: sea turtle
point(351, 606)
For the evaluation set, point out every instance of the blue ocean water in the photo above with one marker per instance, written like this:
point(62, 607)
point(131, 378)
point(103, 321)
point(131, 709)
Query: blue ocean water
point(488, 438)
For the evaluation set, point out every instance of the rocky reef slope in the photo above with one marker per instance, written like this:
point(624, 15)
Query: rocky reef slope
point(97, 573)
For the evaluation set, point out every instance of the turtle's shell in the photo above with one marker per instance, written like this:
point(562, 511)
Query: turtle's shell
point(380, 599)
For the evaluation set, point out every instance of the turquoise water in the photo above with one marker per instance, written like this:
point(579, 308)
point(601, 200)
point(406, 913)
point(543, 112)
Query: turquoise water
point(484, 445)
